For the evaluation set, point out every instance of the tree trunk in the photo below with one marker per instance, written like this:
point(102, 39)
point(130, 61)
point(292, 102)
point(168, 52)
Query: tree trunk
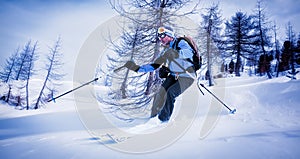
point(209, 60)
point(151, 77)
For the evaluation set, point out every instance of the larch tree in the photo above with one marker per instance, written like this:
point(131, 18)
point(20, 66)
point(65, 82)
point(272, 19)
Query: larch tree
point(53, 69)
point(238, 38)
point(210, 32)
point(290, 49)
point(262, 39)
point(127, 91)
point(20, 70)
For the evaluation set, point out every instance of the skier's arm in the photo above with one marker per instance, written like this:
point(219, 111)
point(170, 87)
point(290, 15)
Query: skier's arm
point(151, 67)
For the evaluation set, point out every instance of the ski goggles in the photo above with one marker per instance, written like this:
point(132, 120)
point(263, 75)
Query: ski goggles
point(162, 35)
point(162, 32)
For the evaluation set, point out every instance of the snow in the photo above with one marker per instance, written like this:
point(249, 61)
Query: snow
point(266, 125)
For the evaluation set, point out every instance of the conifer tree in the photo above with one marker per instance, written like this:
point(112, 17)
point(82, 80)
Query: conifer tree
point(262, 39)
point(239, 38)
point(53, 69)
point(210, 32)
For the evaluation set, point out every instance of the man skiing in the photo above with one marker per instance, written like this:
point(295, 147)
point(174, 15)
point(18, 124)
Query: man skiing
point(178, 59)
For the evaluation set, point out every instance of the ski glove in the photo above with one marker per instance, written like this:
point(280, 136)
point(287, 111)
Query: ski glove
point(132, 66)
point(171, 54)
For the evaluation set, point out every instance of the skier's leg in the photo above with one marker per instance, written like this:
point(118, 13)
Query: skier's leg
point(174, 91)
point(160, 96)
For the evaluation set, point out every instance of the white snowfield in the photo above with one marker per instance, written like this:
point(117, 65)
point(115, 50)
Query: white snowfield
point(266, 125)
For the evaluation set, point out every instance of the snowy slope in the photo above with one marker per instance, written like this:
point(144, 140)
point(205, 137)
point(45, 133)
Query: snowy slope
point(266, 125)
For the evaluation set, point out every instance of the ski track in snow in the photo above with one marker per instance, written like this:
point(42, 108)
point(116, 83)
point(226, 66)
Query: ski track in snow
point(266, 125)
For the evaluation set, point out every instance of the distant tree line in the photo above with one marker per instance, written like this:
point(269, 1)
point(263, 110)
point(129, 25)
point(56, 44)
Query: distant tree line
point(247, 41)
point(17, 72)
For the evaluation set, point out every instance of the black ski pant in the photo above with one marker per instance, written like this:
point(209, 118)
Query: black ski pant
point(164, 100)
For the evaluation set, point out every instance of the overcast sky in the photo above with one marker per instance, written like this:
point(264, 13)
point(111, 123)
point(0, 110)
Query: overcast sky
point(74, 20)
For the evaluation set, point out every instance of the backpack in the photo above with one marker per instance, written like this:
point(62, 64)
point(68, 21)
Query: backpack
point(197, 59)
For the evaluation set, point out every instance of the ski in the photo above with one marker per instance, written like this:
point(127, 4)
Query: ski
point(109, 138)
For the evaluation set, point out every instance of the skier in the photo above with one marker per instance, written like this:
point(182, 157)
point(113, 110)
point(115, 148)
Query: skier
point(231, 67)
point(177, 80)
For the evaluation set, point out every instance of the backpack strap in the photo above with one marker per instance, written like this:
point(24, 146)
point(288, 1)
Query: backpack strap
point(176, 47)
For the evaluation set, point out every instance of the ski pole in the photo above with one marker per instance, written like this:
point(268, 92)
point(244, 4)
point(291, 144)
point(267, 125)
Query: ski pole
point(119, 69)
point(232, 111)
point(87, 83)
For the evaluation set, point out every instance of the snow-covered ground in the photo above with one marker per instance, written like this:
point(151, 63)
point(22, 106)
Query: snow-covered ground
point(266, 125)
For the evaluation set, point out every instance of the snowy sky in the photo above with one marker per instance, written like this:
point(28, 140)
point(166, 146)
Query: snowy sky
point(74, 20)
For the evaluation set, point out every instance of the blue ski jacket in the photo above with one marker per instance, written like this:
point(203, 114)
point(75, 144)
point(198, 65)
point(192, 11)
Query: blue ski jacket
point(184, 52)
